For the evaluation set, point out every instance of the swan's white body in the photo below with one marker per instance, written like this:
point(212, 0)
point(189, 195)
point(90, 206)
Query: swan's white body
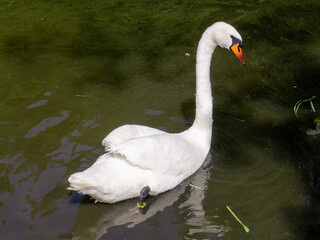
point(138, 156)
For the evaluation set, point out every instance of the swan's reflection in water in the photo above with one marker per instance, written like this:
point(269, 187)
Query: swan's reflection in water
point(98, 220)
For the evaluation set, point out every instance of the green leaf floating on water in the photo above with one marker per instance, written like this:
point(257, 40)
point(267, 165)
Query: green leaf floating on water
point(244, 226)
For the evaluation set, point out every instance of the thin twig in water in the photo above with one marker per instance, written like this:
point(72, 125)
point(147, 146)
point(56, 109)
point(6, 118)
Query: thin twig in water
point(191, 185)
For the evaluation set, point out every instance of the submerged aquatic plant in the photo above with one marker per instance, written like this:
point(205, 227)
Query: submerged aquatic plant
point(298, 104)
point(313, 117)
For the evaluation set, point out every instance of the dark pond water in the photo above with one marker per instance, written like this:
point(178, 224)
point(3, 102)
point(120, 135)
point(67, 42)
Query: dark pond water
point(71, 71)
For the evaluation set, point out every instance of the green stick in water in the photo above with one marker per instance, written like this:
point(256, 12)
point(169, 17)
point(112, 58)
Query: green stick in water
point(244, 226)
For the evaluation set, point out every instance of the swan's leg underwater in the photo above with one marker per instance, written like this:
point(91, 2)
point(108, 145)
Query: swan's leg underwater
point(143, 194)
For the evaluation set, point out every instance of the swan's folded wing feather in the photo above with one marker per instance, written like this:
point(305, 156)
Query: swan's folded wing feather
point(165, 153)
point(126, 132)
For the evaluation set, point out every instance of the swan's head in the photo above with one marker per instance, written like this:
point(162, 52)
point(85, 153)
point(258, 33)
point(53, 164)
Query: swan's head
point(226, 36)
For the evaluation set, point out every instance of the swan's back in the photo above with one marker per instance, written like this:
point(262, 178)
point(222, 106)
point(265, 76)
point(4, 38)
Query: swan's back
point(125, 132)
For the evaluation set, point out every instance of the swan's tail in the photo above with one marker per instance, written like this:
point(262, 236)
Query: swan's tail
point(82, 182)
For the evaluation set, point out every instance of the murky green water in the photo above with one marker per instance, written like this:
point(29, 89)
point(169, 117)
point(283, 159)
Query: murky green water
point(71, 71)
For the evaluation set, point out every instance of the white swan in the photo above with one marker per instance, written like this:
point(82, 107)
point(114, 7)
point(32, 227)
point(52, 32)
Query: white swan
point(140, 157)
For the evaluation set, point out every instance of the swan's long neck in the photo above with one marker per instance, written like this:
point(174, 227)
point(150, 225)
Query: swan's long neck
point(203, 118)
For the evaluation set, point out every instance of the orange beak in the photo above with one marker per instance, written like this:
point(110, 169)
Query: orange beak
point(236, 49)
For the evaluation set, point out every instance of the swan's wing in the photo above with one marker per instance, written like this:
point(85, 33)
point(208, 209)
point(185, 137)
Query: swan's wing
point(125, 132)
point(164, 153)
